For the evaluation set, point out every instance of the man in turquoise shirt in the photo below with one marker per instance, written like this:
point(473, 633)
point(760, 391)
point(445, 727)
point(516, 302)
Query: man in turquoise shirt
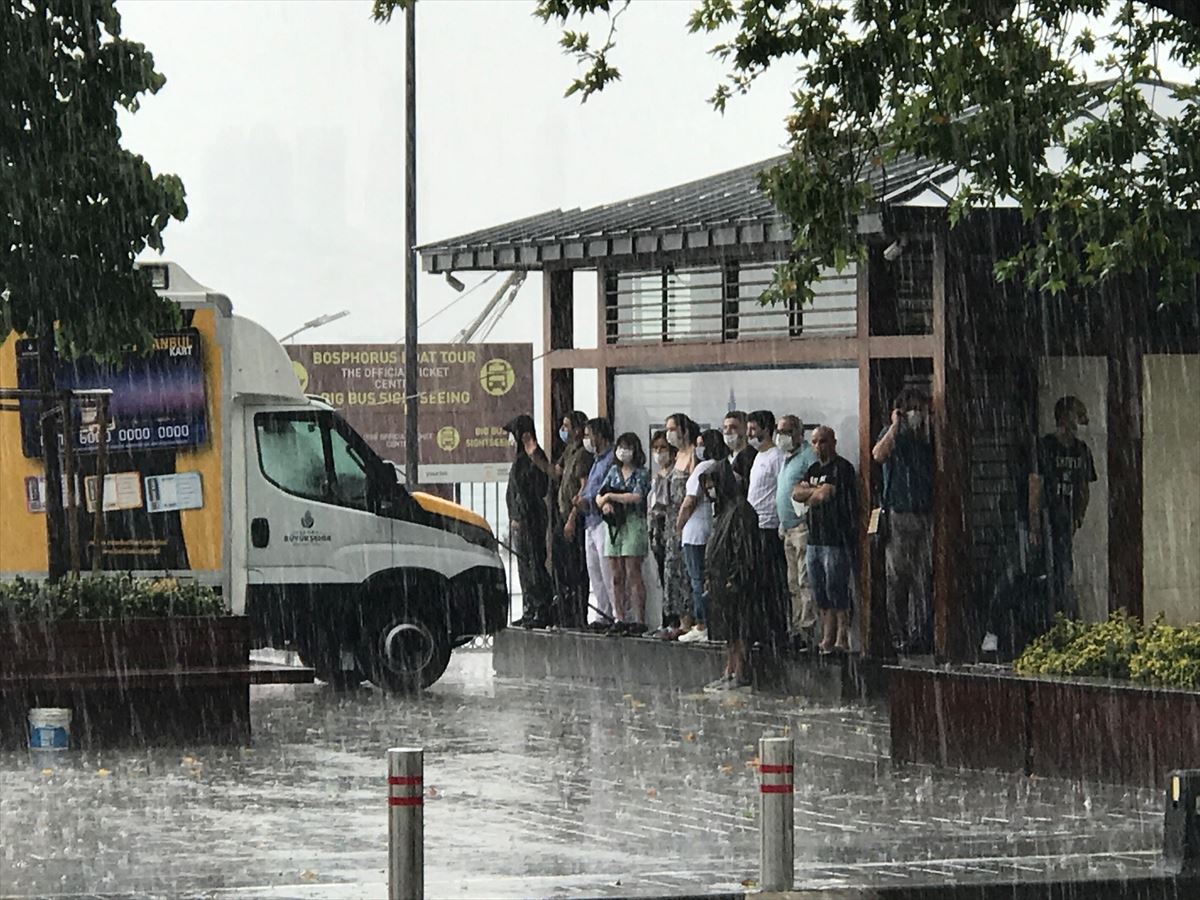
point(793, 526)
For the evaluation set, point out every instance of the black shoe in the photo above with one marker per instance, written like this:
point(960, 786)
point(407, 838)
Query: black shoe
point(634, 629)
point(799, 643)
point(531, 622)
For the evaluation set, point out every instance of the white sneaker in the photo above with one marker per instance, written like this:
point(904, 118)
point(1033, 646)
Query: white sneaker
point(693, 635)
point(990, 643)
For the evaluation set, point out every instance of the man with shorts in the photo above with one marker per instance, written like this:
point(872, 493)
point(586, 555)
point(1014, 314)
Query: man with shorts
point(830, 489)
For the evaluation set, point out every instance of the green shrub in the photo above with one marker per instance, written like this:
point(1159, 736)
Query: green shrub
point(105, 597)
point(1119, 647)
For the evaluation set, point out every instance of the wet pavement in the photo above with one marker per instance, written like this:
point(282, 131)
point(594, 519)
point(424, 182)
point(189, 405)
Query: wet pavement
point(540, 789)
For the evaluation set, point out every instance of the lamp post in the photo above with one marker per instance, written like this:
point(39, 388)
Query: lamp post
point(316, 323)
point(411, 394)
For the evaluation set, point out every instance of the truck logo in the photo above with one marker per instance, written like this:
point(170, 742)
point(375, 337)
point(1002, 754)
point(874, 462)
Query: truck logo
point(307, 520)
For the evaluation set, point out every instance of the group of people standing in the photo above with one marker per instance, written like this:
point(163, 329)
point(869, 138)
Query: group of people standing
point(751, 530)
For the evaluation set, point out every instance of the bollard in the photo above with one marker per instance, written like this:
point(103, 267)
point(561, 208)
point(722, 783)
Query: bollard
point(776, 808)
point(1181, 829)
point(406, 823)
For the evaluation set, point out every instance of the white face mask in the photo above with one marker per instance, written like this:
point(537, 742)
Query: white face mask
point(624, 454)
point(700, 453)
point(731, 440)
point(661, 458)
point(589, 445)
point(784, 442)
point(915, 418)
point(673, 438)
point(754, 442)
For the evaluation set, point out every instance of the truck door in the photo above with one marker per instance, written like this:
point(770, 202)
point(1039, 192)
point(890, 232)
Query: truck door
point(309, 494)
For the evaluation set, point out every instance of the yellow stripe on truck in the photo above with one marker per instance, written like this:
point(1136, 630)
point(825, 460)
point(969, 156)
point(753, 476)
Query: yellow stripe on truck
point(439, 507)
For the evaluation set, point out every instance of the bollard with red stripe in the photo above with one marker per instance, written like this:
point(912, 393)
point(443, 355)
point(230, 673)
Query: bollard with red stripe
point(776, 810)
point(406, 823)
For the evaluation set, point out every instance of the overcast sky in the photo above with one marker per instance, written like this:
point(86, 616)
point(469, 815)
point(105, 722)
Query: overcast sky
point(285, 121)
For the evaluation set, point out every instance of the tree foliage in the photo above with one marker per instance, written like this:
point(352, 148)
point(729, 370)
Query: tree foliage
point(78, 207)
point(1041, 102)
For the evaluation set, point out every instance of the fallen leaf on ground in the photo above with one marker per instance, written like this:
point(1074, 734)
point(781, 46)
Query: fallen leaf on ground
point(727, 769)
point(102, 773)
point(652, 793)
point(47, 771)
point(689, 736)
point(749, 882)
point(308, 875)
point(753, 763)
point(431, 792)
point(188, 761)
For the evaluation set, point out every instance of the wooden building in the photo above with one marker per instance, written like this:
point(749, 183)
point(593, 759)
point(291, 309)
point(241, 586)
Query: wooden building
point(678, 273)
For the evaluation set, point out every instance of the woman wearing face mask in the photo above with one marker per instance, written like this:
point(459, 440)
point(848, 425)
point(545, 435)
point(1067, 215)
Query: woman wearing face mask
point(694, 524)
point(682, 434)
point(623, 505)
point(735, 575)
point(662, 458)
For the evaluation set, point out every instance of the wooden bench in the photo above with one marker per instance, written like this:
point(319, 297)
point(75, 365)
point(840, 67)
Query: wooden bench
point(173, 679)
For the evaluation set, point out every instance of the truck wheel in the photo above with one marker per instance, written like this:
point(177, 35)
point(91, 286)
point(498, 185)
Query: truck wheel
point(407, 654)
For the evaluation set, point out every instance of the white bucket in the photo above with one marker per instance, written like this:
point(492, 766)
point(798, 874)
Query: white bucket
point(49, 729)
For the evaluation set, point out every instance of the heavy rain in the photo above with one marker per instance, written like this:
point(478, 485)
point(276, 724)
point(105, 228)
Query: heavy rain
point(560, 448)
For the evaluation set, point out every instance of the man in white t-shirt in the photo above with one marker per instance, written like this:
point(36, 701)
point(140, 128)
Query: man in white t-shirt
point(764, 482)
point(694, 526)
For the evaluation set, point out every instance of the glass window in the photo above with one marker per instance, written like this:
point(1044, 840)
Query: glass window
point(291, 451)
point(349, 472)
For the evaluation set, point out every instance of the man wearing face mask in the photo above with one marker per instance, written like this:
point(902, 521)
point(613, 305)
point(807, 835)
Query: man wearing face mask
point(569, 558)
point(528, 518)
point(741, 454)
point(799, 457)
point(905, 449)
point(597, 440)
point(764, 482)
point(1058, 499)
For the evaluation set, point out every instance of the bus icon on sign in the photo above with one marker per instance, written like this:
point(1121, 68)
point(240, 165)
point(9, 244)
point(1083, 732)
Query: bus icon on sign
point(497, 377)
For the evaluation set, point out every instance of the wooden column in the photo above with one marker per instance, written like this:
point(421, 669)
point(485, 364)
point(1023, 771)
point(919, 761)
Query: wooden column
point(873, 614)
point(1124, 412)
point(605, 326)
point(558, 333)
point(951, 540)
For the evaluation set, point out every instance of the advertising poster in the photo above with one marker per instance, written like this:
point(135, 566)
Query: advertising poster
point(467, 393)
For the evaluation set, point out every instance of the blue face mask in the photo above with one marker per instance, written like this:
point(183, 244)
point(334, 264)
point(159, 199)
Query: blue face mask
point(564, 435)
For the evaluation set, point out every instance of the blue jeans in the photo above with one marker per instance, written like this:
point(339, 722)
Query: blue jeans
point(829, 576)
point(693, 561)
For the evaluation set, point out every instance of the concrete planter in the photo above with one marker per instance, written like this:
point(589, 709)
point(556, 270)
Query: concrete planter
point(139, 680)
point(1078, 728)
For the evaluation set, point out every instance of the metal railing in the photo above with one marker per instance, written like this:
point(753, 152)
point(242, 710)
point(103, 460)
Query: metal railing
point(721, 303)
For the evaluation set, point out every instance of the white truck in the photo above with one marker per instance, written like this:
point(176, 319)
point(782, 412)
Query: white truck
point(221, 470)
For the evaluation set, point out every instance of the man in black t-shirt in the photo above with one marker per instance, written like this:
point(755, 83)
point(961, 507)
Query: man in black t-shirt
point(830, 489)
point(1058, 498)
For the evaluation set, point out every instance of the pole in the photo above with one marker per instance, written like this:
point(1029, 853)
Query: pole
point(101, 471)
point(776, 808)
point(406, 823)
point(69, 433)
point(411, 396)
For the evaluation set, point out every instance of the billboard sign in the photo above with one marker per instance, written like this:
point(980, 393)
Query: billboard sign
point(158, 400)
point(467, 393)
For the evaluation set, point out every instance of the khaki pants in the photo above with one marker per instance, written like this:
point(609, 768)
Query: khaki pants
point(795, 547)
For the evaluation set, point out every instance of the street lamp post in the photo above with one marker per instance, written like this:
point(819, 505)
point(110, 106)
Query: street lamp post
point(411, 395)
point(316, 323)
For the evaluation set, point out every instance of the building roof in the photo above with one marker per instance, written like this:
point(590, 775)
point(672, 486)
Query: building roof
point(718, 211)
point(721, 211)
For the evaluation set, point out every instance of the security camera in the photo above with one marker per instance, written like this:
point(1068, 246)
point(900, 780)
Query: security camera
point(895, 249)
